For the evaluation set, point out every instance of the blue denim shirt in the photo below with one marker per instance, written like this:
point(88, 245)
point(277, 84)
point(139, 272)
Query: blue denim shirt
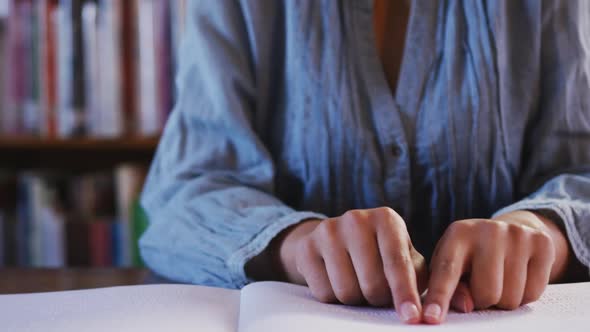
point(284, 114)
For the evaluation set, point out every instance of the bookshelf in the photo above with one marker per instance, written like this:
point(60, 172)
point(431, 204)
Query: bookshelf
point(78, 71)
point(75, 154)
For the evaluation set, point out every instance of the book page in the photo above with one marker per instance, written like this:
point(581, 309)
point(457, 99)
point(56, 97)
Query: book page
point(128, 308)
point(272, 306)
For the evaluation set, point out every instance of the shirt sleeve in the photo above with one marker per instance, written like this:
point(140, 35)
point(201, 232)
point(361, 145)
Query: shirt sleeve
point(556, 156)
point(209, 194)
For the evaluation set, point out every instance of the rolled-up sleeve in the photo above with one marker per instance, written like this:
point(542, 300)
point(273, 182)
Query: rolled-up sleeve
point(209, 194)
point(556, 172)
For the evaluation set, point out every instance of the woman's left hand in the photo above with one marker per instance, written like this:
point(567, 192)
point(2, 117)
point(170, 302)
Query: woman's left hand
point(505, 263)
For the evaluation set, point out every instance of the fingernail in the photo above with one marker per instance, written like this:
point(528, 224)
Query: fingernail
point(433, 311)
point(409, 311)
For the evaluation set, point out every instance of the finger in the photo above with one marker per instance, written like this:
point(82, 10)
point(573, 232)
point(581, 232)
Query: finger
point(538, 270)
point(487, 276)
point(368, 267)
point(462, 300)
point(399, 272)
point(311, 266)
point(446, 270)
point(515, 275)
point(537, 280)
point(421, 269)
point(342, 275)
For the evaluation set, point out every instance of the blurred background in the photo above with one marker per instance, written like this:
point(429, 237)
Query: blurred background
point(85, 90)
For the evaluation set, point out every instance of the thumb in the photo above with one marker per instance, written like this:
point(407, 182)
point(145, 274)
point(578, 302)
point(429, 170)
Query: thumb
point(462, 300)
point(421, 271)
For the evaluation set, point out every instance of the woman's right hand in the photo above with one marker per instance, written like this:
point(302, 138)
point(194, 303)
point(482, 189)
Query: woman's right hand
point(361, 256)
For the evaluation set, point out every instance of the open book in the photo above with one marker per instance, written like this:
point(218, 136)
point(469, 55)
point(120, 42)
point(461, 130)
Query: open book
point(263, 307)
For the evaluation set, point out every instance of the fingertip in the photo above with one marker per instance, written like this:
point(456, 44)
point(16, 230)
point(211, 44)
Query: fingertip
point(409, 313)
point(432, 314)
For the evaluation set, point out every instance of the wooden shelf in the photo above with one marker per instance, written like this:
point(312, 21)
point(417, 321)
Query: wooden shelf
point(129, 144)
point(83, 153)
point(30, 280)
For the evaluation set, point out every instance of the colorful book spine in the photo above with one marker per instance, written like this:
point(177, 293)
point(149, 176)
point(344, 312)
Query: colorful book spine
point(23, 227)
point(102, 68)
point(53, 220)
point(164, 58)
point(129, 180)
point(65, 55)
point(18, 71)
point(48, 66)
point(128, 47)
point(149, 120)
point(77, 243)
point(31, 112)
point(110, 122)
point(4, 9)
point(71, 104)
point(91, 65)
point(4, 79)
point(140, 224)
point(119, 242)
point(52, 238)
point(8, 199)
point(100, 243)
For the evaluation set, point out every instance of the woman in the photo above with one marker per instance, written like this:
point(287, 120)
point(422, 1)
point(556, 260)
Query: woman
point(344, 144)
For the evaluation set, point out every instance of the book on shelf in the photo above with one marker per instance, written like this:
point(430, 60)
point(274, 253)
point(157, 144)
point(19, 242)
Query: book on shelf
point(100, 68)
point(4, 69)
point(4, 8)
point(48, 53)
point(54, 220)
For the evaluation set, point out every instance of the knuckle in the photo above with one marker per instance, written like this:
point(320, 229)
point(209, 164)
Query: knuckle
point(356, 224)
point(386, 211)
point(492, 228)
point(532, 296)
point(374, 291)
point(353, 215)
point(348, 296)
point(509, 304)
point(399, 258)
point(542, 239)
point(324, 295)
point(328, 232)
point(380, 300)
point(457, 228)
point(445, 265)
point(390, 216)
point(486, 299)
point(543, 245)
point(518, 232)
point(418, 260)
